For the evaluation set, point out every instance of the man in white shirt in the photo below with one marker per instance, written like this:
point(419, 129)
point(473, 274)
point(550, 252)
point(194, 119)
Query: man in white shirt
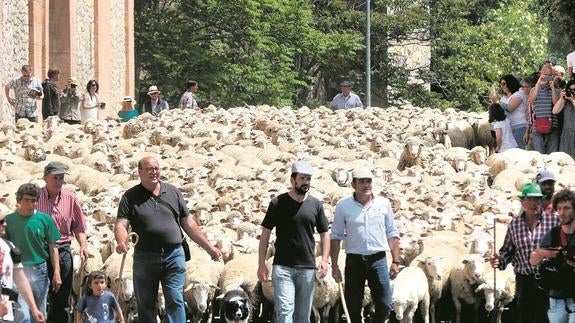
point(346, 99)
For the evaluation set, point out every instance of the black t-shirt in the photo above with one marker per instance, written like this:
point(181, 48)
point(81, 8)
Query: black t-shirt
point(151, 219)
point(547, 242)
point(295, 223)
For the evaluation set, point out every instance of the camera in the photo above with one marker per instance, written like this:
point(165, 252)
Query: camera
point(12, 294)
point(549, 78)
point(569, 92)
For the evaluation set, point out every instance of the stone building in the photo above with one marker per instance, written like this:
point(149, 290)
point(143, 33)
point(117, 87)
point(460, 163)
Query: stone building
point(86, 39)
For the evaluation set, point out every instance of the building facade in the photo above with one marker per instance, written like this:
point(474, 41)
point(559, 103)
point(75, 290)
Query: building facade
point(86, 39)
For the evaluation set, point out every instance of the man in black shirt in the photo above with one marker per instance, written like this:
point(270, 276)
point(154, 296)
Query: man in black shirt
point(153, 209)
point(294, 214)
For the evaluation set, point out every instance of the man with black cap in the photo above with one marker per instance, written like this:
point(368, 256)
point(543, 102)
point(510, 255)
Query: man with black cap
point(524, 235)
point(365, 222)
point(346, 99)
point(546, 180)
point(64, 208)
point(294, 214)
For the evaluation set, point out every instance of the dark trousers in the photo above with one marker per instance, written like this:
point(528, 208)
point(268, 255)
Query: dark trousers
point(532, 302)
point(374, 269)
point(72, 121)
point(60, 301)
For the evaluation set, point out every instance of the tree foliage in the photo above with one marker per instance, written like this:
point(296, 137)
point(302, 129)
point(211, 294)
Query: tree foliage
point(296, 52)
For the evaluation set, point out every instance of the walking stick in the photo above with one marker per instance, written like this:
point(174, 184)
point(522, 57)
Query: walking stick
point(343, 303)
point(82, 275)
point(136, 238)
point(495, 300)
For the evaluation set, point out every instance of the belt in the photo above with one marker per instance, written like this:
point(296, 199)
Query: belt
point(161, 249)
point(373, 257)
point(528, 276)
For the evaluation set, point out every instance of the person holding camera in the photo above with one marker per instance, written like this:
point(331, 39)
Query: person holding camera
point(27, 90)
point(545, 131)
point(566, 103)
point(557, 247)
point(70, 103)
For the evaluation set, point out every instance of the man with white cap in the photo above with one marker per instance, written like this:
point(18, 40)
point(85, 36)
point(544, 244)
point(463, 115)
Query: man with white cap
point(546, 180)
point(365, 222)
point(156, 104)
point(346, 99)
point(294, 214)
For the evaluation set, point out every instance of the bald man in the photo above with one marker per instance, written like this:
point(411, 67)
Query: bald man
point(156, 211)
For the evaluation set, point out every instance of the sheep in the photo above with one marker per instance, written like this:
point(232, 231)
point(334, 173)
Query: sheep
point(411, 154)
point(463, 278)
point(505, 285)
point(409, 289)
point(326, 294)
point(202, 276)
point(122, 286)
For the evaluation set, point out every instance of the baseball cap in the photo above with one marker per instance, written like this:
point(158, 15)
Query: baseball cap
point(530, 190)
point(362, 172)
point(544, 175)
point(55, 168)
point(302, 167)
point(345, 83)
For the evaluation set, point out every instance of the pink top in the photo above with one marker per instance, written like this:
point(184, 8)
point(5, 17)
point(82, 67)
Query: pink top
point(66, 213)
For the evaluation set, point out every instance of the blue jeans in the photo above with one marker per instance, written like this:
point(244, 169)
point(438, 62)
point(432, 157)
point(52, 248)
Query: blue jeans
point(168, 268)
point(293, 293)
point(357, 271)
point(558, 310)
point(545, 144)
point(518, 134)
point(37, 276)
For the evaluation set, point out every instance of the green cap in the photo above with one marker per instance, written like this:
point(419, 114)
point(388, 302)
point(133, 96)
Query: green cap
point(530, 190)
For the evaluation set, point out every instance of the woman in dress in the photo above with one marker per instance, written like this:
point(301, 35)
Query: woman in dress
point(91, 101)
point(566, 103)
point(500, 123)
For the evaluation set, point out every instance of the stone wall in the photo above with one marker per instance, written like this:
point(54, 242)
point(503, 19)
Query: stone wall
point(84, 50)
point(14, 38)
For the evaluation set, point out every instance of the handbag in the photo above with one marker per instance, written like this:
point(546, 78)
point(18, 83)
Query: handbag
point(185, 245)
point(543, 125)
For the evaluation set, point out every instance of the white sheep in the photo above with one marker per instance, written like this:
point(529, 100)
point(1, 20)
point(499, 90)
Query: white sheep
point(410, 288)
point(498, 291)
point(202, 276)
point(466, 274)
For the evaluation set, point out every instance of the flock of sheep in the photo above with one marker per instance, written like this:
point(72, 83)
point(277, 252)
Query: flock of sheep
point(447, 191)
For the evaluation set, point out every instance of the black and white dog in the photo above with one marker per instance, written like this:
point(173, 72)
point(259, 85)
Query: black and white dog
point(236, 307)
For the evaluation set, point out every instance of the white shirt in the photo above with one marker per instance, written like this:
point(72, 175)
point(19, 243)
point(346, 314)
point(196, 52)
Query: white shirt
point(571, 59)
point(507, 139)
point(90, 114)
point(517, 117)
point(341, 102)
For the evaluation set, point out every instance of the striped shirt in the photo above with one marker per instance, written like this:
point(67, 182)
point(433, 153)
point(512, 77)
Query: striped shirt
point(365, 229)
point(544, 105)
point(66, 212)
point(520, 242)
